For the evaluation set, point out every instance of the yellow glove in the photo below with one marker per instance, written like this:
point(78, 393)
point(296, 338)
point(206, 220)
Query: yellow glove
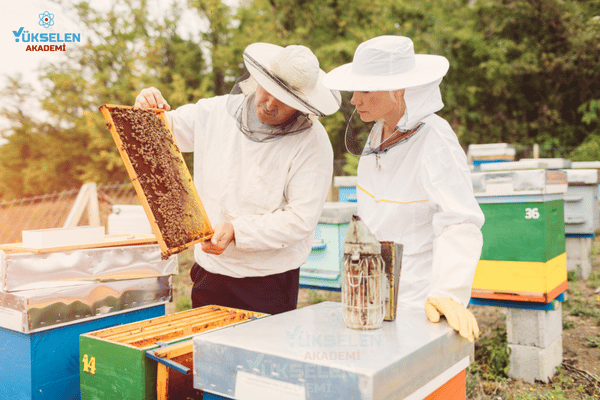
point(458, 317)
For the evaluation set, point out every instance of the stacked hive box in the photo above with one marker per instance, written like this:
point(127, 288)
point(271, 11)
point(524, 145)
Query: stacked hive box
point(523, 256)
point(582, 219)
point(523, 262)
point(49, 298)
point(479, 154)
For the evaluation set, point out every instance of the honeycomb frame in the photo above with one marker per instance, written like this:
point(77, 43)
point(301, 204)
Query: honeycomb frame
point(159, 175)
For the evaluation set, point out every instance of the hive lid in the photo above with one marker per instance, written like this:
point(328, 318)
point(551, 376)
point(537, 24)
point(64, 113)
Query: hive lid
point(311, 349)
point(527, 163)
point(585, 164)
point(337, 212)
point(37, 310)
point(345, 181)
point(26, 271)
point(521, 182)
point(582, 176)
point(109, 241)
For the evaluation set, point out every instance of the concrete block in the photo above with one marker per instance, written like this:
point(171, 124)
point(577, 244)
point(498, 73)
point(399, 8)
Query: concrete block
point(537, 328)
point(531, 363)
point(578, 256)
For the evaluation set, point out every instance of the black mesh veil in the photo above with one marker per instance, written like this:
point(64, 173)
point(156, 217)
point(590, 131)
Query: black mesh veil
point(240, 106)
point(363, 139)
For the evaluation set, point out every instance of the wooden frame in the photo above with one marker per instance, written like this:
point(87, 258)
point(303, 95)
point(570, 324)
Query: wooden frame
point(192, 218)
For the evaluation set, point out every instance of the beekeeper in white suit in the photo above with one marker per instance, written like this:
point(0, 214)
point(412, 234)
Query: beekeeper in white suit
point(414, 185)
point(263, 165)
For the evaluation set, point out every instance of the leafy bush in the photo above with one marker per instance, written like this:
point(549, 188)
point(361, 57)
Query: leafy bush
point(492, 354)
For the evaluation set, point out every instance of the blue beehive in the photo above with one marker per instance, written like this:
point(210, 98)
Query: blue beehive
point(479, 154)
point(49, 298)
point(322, 270)
point(346, 188)
point(45, 364)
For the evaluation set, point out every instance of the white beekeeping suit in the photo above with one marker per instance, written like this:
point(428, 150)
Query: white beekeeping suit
point(414, 185)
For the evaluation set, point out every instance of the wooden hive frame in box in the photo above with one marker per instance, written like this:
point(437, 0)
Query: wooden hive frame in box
point(120, 362)
point(159, 175)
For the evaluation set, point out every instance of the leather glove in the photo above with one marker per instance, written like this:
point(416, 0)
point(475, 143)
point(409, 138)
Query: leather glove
point(457, 315)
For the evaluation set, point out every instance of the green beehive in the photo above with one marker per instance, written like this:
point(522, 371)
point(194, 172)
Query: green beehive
point(523, 231)
point(113, 362)
point(523, 256)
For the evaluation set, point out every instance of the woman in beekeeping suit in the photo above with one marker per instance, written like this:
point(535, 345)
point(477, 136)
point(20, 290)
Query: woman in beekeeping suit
point(414, 184)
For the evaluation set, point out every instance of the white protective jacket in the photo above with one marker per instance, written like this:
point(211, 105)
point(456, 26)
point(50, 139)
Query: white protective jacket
point(419, 193)
point(272, 192)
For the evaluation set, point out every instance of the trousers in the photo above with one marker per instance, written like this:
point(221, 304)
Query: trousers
point(271, 294)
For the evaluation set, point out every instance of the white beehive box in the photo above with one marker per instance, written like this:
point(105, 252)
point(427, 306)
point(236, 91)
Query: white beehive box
point(128, 219)
point(59, 237)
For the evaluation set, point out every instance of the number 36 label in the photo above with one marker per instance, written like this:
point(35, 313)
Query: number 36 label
point(532, 213)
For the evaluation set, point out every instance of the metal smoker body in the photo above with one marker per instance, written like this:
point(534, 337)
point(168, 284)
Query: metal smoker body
point(363, 295)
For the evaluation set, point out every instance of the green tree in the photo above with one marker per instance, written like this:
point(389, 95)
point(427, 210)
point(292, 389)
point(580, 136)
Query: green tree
point(521, 69)
point(522, 72)
point(332, 29)
point(120, 57)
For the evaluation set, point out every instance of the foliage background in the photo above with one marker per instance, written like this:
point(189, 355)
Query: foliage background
point(522, 72)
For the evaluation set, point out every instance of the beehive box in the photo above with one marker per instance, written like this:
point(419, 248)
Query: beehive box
point(113, 362)
point(310, 354)
point(174, 379)
point(346, 188)
point(523, 256)
point(582, 213)
point(159, 175)
point(43, 365)
point(322, 269)
point(490, 153)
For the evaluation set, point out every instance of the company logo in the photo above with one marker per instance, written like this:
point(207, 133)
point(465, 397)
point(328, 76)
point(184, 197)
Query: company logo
point(56, 40)
point(46, 19)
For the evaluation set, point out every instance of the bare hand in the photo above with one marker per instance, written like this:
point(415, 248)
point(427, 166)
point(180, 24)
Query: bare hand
point(151, 98)
point(222, 236)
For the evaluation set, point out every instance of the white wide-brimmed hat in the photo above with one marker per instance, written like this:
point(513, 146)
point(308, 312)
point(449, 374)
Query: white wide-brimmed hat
point(292, 75)
point(387, 63)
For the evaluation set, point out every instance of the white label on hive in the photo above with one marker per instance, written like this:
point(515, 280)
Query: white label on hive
point(11, 319)
point(253, 387)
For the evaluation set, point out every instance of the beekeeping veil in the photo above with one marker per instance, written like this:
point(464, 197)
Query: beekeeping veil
point(388, 63)
point(291, 75)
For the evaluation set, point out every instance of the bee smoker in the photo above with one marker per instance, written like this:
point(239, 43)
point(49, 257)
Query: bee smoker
point(363, 296)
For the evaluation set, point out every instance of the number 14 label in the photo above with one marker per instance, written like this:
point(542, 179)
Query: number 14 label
point(89, 364)
point(532, 213)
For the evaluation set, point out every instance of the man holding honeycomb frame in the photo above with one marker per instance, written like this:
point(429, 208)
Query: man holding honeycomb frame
point(263, 165)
